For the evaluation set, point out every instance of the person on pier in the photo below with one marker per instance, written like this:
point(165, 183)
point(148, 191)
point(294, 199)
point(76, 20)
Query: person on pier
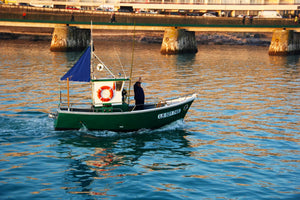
point(113, 18)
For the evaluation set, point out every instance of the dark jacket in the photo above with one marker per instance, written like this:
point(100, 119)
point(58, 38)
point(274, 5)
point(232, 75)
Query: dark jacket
point(139, 95)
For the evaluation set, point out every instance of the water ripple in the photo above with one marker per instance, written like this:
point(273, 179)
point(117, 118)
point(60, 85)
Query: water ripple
point(240, 139)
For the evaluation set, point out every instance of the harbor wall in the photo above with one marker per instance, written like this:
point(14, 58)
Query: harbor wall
point(178, 41)
point(285, 42)
point(65, 15)
point(70, 38)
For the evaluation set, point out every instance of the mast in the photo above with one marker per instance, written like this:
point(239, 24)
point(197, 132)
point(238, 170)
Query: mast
point(92, 49)
point(68, 93)
point(132, 56)
point(91, 64)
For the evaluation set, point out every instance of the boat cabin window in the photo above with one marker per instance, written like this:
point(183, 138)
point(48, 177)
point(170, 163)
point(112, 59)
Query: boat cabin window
point(119, 85)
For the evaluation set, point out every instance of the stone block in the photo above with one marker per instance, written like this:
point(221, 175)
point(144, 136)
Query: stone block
point(178, 41)
point(70, 38)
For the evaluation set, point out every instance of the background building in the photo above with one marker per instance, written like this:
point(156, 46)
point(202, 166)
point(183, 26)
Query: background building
point(196, 7)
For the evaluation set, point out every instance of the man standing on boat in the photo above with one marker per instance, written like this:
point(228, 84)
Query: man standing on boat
point(139, 95)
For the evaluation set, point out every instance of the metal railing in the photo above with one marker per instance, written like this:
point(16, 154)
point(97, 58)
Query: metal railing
point(97, 3)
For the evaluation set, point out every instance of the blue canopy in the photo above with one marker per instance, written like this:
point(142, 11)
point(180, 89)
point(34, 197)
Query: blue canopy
point(81, 71)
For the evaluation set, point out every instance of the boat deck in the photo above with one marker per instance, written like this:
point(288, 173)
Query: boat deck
point(122, 108)
point(108, 109)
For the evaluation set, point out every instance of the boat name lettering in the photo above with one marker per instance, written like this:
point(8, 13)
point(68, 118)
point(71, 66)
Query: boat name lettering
point(169, 114)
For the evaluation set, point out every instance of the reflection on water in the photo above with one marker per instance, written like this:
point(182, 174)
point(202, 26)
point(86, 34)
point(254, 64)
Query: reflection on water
point(284, 60)
point(110, 157)
point(240, 138)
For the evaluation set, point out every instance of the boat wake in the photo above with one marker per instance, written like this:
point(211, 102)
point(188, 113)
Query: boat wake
point(26, 124)
point(174, 126)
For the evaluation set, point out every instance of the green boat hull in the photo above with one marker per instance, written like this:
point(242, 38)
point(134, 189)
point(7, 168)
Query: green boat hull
point(123, 121)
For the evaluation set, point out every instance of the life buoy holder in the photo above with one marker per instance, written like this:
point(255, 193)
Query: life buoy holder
point(100, 67)
point(110, 96)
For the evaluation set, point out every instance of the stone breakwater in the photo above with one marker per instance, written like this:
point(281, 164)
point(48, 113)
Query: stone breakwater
point(205, 38)
point(257, 39)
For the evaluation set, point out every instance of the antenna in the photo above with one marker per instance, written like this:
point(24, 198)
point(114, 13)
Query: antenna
point(132, 56)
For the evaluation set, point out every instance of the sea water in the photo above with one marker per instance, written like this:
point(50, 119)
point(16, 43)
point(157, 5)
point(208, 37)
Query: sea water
point(239, 140)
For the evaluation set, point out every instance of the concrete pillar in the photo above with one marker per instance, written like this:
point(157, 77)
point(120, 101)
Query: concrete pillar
point(284, 42)
point(70, 38)
point(178, 41)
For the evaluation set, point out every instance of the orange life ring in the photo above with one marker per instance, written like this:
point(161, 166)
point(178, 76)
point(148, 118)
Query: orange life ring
point(105, 99)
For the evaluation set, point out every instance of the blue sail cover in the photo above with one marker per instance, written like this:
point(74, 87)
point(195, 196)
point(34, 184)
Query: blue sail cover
point(81, 71)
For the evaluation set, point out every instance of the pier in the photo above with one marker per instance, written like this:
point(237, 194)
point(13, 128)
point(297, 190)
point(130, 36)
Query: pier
point(48, 18)
point(41, 21)
point(45, 27)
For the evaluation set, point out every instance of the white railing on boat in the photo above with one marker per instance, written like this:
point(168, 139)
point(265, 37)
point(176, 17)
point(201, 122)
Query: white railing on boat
point(153, 102)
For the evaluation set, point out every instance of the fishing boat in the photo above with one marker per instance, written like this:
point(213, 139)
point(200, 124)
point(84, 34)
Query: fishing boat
point(110, 108)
